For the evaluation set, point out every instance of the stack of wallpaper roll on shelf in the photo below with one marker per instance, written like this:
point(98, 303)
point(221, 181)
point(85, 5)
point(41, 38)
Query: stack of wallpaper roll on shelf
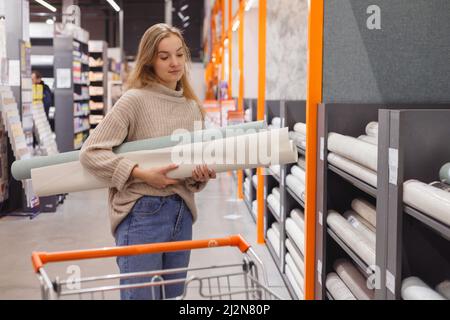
point(357, 229)
point(295, 180)
point(273, 200)
point(239, 147)
point(275, 123)
point(299, 134)
point(247, 189)
point(413, 288)
point(295, 250)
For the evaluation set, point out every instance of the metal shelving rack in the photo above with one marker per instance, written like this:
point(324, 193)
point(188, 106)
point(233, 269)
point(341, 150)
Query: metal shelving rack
point(66, 49)
point(98, 50)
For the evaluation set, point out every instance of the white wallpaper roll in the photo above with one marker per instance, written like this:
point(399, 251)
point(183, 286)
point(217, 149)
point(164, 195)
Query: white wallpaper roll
point(299, 173)
point(301, 162)
point(299, 218)
point(353, 279)
point(427, 199)
point(297, 137)
point(276, 193)
point(274, 204)
point(366, 210)
point(276, 122)
point(295, 256)
point(276, 169)
point(274, 240)
point(298, 276)
point(300, 127)
point(255, 208)
point(361, 220)
point(296, 234)
point(72, 177)
point(359, 244)
point(369, 139)
point(295, 286)
point(296, 185)
point(414, 288)
point(444, 288)
point(353, 149)
point(255, 179)
point(372, 129)
point(276, 228)
point(353, 168)
point(337, 288)
point(360, 227)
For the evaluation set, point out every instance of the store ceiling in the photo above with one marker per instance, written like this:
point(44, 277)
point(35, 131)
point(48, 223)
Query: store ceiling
point(100, 19)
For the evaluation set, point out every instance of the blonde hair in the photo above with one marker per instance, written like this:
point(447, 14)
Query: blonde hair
point(143, 73)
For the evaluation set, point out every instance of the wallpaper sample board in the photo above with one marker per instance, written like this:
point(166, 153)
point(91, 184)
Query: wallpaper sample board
point(366, 210)
point(291, 277)
point(298, 276)
point(431, 201)
point(274, 204)
point(353, 279)
point(359, 244)
point(21, 169)
point(354, 149)
point(360, 227)
point(73, 177)
point(296, 185)
point(296, 234)
point(369, 139)
point(337, 288)
point(274, 240)
point(414, 288)
point(355, 169)
point(444, 288)
point(295, 256)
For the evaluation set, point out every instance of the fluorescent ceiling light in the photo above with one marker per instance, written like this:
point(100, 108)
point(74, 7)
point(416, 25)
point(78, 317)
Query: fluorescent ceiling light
point(50, 21)
point(114, 5)
point(47, 5)
point(249, 5)
point(236, 25)
point(186, 18)
point(184, 7)
point(186, 24)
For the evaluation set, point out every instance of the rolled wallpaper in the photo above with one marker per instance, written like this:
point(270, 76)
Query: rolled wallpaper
point(300, 127)
point(293, 282)
point(296, 186)
point(295, 256)
point(444, 173)
point(353, 279)
point(366, 210)
point(299, 173)
point(276, 193)
point(274, 240)
point(299, 218)
point(274, 204)
point(301, 162)
point(258, 150)
point(276, 228)
point(354, 149)
point(296, 272)
point(427, 199)
point(361, 220)
point(369, 139)
point(414, 288)
point(372, 129)
point(360, 227)
point(359, 244)
point(444, 288)
point(353, 168)
point(296, 234)
point(337, 288)
point(21, 169)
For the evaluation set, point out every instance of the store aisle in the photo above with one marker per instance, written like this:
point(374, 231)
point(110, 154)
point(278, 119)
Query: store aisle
point(82, 222)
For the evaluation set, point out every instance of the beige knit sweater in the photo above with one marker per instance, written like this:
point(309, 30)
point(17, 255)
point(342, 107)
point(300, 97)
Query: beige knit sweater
point(139, 114)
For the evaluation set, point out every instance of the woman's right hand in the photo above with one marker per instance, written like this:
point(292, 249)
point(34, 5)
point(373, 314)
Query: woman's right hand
point(155, 177)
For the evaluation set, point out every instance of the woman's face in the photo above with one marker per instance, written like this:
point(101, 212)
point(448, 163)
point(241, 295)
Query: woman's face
point(170, 61)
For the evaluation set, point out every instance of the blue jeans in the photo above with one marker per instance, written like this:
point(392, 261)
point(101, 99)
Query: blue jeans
point(151, 220)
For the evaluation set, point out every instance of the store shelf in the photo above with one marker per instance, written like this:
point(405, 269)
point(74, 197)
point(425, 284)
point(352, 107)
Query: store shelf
point(301, 150)
point(347, 249)
point(273, 212)
point(329, 296)
point(273, 174)
point(437, 226)
point(81, 114)
point(289, 287)
point(81, 130)
point(295, 197)
point(299, 252)
point(354, 181)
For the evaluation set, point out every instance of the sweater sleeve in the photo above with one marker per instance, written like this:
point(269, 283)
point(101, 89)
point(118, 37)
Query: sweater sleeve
point(96, 154)
point(190, 183)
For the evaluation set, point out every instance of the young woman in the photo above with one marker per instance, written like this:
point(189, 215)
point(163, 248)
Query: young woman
point(145, 205)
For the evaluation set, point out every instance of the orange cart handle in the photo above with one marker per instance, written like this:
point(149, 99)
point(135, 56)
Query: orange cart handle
point(41, 258)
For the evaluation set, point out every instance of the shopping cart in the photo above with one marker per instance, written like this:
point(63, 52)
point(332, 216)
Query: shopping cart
point(244, 281)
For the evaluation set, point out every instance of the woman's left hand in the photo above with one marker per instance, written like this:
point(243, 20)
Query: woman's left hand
point(202, 174)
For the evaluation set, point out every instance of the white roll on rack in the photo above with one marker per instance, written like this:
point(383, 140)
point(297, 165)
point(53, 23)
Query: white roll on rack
point(299, 218)
point(372, 129)
point(444, 288)
point(355, 169)
point(366, 210)
point(337, 288)
point(353, 279)
point(295, 256)
point(293, 282)
point(299, 173)
point(414, 288)
point(296, 234)
point(357, 222)
point(300, 127)
point(297, 274)
point(274, 204)
point(296, 186)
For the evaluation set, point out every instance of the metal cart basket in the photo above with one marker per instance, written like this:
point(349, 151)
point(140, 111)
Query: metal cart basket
point(218, 281)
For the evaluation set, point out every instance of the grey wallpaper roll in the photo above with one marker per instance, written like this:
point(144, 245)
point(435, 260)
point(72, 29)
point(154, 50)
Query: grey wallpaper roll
point(414, 288)
point(366, 210)
point(21, 169)
point(444, 173)
point(353, 279)
point(337, 288)
point(355, 169)
point(444, 288)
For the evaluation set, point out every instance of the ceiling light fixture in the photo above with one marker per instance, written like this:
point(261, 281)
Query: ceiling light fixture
point(47, 5)
point(249, 5)
point(114, 5)
point(184, 7)
point(236, 25)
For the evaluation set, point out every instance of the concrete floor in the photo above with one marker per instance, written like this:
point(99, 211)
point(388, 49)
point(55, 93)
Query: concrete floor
point(82, 222)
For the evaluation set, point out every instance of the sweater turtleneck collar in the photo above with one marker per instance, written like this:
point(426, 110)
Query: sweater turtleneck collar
point(165, 91)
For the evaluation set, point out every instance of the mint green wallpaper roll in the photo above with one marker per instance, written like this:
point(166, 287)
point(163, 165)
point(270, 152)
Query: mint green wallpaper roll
point(21, 169)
